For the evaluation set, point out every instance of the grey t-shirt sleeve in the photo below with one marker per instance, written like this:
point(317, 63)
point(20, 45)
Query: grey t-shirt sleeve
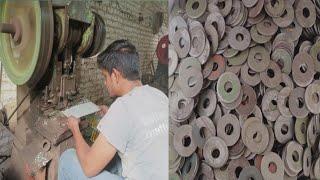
point(115, 126)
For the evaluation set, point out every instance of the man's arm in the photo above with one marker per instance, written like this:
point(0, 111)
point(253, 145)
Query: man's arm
point(92, 159)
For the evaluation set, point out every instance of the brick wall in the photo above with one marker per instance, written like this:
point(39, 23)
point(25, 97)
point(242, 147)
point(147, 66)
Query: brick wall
point(121, 18)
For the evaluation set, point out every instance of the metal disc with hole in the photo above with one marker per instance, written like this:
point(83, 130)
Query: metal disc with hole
point(255, 136)
point(176, 23)
point(183, 141)
point(275, 172)
point(258, 37)
point(213, 36)
point(173, 61)
point(300, 129)
point(239, 38)
point(293, 156)
point(250, 172)
point(228, 129)
point(190, 168)
point(205, 172)
point(274, 9)
point(196, 8)
point(234, 104)
point(272, 76)
point(269, 105)
point(197, 41)
point(181, 42)
point(215, 152)
point(249, 76)
point(219, 67)
point(286, 18)
point(305, 13)
point(267, 27)
point(248, 102)
point(203, 58)
point(311, 97)
point(216, 19)
point(239, 59)
point(283, 98)
point(26, 55)
point(306, 160)
point(180, 107)
point(256, 9)
point(236, 164)
point(314, 52)
point(207, 103)
point(283, 129)
point(293, 31)
point(303, 69)
point(190, 81)
point(228, 87)
point(203, 129)
point(283, 58)
point(258, 59)
point(237, 149)
point(297, 103)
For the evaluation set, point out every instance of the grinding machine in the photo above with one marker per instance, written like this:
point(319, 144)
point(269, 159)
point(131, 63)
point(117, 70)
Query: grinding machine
point(40, 42)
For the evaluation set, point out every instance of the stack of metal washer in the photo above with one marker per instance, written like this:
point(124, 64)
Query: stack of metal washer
point(244, 89)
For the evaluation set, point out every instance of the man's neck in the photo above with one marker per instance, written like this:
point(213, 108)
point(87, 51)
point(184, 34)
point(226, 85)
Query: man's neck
point(129, 85)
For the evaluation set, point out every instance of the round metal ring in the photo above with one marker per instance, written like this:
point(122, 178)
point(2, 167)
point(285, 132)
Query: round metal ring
point(272, 159)
point(287, 16)
point(283, 129)
point(274, 9)
point(272, 76)
point(173, 61)
point(305, 13)
point(282, 102)
point(219, 67)
point(258, 59)
point(235, 165)
point(297, 103)
point(249, 76)
point(181, 42)
point(267, 27)
point(307, 159)
point(312, 98)
point(190, 168)
point(183, 141)
point(215, 152)
point(216, 19)
point(269, 105)
point(228, 87)
point(198, 41)
point(302, 69)
point(250, 172)
point(300, 129)
point(239, 38)
point(228, 129)
point(203, 129)
point(207, 103)
point(196, 8)
point(176, 23)
point(249, 101)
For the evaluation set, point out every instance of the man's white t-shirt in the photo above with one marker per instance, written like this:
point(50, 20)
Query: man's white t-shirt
point(136, 124)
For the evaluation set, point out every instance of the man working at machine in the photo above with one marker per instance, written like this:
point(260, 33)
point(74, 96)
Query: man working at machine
point(135, 125)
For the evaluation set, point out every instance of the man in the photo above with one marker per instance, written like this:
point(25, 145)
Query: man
point(135, 126)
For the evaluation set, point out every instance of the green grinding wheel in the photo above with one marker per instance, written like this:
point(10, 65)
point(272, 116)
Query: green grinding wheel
point(26, 59)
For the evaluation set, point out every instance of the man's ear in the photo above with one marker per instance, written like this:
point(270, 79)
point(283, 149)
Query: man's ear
point(117, 75)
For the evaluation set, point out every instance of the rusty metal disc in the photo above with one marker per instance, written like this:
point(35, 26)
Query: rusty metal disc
point(258, 37)
point(305, 13)
point(207, 103)
point(239, 59)
point(235, 165)
point(203, 129)
point(249, 101)
point(190, 81)
point(239, 38)
point(216, 20)
point(234, 104)
point(224, 7)
point(183, 141)
point(312, 100)
point(285, 82)
point(181, 42)
point(205, 172)
point(228, 129)
point(293, 156)
point(306, 159)
point(228, 87)
point(207, 68)
point(255, 136)
point(272, 76)
point(190, 168)
point(203, 58)
point(256, 9)
point(249, 76)
point(274, 8)
point(293, 31)
point(215, 152)
point(250, 172)
point(267, 27)
point(269, 105)
point(300, 129)
point(287, 16)
point(180, 107)
point(162, 50)
point(284, 129)
point(283, 59)
point(258, 59)
point(297, 104)
point(276, 171)
point(176, 23)
point(196, 8)
point(198, 41)
point(173, 61)
point(303, 69)
point(282, 102)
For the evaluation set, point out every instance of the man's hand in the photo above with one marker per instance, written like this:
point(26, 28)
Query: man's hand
point(103, 110)
point(73, 123)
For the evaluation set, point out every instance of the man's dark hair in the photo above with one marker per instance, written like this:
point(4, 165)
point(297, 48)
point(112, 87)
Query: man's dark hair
point(122, 56)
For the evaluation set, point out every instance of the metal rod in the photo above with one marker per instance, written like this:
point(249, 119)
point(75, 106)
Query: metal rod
point(15, 110)
point(7, 28)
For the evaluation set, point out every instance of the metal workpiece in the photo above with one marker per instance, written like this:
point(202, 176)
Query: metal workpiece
point(262, 74)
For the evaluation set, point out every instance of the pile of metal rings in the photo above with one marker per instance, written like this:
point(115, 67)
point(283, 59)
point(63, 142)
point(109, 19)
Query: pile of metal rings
point(244, 89)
